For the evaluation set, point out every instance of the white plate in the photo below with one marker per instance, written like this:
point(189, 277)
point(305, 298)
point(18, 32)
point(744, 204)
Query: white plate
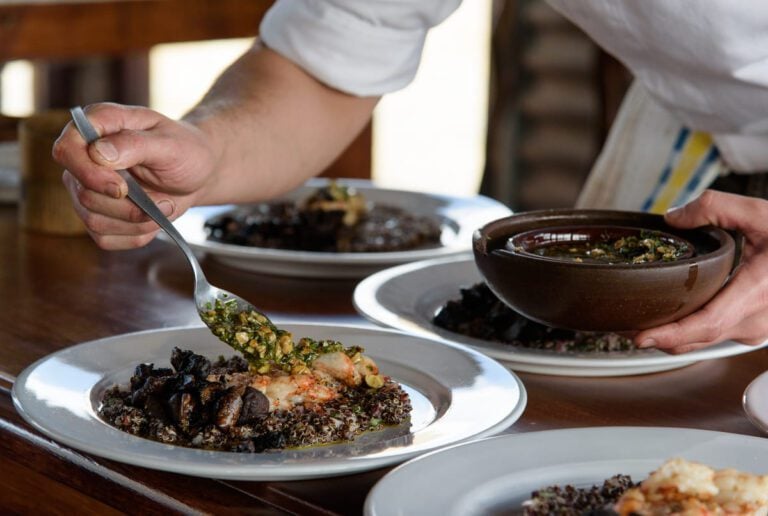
point(755, 401)
point(457, 394)
point(408, 296)
point(494, 476)
point(460, 216)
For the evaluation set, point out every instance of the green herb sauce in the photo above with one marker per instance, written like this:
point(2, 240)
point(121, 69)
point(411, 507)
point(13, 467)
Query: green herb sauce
point(265, 346)
point(646, 248)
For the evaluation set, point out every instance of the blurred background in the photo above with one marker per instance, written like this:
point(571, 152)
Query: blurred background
point(511, 100)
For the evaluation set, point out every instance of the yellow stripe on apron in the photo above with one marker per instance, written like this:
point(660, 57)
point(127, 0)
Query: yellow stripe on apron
point(692, 157)
point(650, 161)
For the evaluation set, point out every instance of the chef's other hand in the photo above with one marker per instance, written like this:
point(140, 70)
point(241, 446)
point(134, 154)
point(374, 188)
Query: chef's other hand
point(172, 160)
point(740, 310)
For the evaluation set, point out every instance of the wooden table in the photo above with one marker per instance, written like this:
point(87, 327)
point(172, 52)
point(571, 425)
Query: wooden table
point(59, 291)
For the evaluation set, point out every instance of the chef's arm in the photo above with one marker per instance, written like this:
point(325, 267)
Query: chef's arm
point(273, 125)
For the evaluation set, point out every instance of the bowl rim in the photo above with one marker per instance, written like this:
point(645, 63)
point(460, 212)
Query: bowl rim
point(562, 217)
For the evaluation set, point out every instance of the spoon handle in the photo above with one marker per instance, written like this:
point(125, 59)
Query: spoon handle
point(135, 192)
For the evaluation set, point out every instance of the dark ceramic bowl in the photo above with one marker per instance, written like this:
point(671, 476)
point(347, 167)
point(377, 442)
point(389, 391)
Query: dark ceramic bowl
point(592, 295)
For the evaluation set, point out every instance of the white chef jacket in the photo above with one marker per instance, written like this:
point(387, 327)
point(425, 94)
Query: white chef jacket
point(705, 61)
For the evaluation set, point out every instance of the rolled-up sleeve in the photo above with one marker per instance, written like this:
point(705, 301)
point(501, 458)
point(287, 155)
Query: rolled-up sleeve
point(364, 48)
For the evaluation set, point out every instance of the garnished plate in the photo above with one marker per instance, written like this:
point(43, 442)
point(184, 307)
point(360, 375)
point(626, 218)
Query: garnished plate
point(407, 297)
point(494, 476)
point(457, 394)
point(458, 216)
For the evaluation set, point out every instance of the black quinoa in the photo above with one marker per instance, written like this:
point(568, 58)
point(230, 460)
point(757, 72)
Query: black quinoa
point(183, 407)
point(287, 225)
point(480, 314)
point(572, 501)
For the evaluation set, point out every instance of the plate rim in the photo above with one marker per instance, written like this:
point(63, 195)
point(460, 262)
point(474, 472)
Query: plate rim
point(365, 302)
point(549, 435)
point(266, 472)
point(759, 383)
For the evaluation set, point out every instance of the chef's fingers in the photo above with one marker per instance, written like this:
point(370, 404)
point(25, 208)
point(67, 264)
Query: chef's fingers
point(751, 331)
point(104, 216)
point(119, 242)
point(109, 118)
point(94, 165)
point(123, 209)
point(71, 151)
point(727, 316)
point(725, 210)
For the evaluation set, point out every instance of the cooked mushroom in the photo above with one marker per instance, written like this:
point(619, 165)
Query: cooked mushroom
point(150, 387)
point(229, 409)
point(210, 391)
point(188, 362)
point(255, 404)
point(182, 405)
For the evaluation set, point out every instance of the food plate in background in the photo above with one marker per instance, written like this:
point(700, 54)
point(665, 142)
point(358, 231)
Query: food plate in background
point(495, 475)
point(457, 394)
point(407, 297)
point(459, 216)
point(755, 402)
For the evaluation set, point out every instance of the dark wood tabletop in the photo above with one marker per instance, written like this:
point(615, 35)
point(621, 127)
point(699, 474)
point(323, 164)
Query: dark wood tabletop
point(60, 291)
point(33, 29)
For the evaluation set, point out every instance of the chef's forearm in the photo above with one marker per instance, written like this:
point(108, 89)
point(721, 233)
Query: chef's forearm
point(272, 126)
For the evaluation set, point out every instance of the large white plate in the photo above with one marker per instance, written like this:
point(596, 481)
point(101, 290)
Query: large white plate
point(460, 216)
point(457, 394)
point(755, 401)
point(408, 296)
point(495, 475)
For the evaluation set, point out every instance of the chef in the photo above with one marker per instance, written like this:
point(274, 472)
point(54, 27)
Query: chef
point(285, 109)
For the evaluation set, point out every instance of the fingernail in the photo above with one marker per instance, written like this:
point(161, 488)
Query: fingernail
point(166, 207)
point(115, 190)
point(106, 150)
point(648, 343)
point(674, 210)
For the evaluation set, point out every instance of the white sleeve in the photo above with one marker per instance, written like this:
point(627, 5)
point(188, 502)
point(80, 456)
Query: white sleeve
point(743, 153)
point(361, 47)
point(706, 61)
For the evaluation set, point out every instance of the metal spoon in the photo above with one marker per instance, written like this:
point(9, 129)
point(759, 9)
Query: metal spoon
point(206, 295)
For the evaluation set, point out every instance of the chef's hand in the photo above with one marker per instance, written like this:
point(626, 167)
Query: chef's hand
point(740, 310)
point(172, 160)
